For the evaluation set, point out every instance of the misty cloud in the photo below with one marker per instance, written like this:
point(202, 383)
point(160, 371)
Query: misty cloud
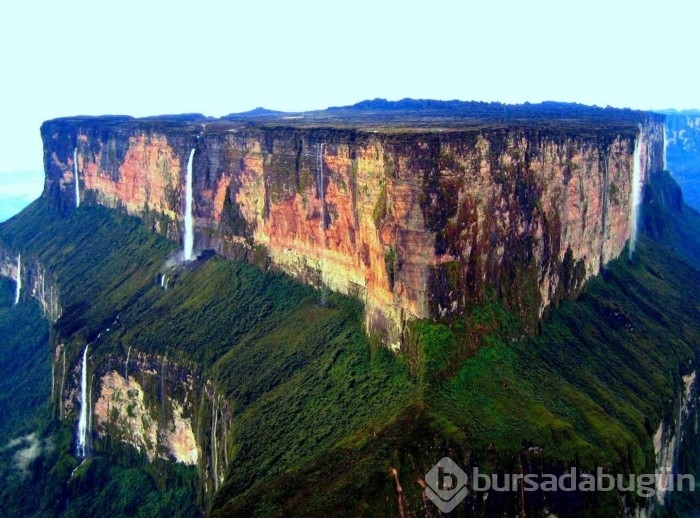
point(30, 450)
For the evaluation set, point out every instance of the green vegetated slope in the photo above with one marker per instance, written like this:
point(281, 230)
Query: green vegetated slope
point(591, 388)
point(25, 385)
point(100, 262)
point(24, 338)
point(589, 391)
point(300, 377)
point(322, 416)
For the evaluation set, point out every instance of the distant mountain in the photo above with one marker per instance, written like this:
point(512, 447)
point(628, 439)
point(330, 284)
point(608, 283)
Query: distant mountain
point(683, 152)
point(256, 112)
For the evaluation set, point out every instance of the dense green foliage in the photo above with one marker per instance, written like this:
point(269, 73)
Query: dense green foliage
point(25, 375)
point(592, 387)
point(299, 377)
point(129, 491)
point(601, 366)
point(24, 340)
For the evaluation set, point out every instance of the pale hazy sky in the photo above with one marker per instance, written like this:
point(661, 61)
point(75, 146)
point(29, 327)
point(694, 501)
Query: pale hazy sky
point(144, 57)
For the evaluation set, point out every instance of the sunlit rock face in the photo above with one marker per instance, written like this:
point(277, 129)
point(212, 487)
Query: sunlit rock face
point(419, 221)
point(163, 409)
point(122, 411)
point(149, 403)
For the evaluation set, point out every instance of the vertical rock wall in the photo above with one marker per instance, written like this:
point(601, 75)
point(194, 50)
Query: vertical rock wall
point(417, 224)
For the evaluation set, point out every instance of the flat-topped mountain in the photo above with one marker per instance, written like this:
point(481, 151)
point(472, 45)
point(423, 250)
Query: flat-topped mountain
point(434, 247)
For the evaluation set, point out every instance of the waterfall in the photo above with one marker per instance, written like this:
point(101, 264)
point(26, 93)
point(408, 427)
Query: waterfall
point(81, 450)
point(678, 433)
point(89, 412)
point(665, 147)
point(162, 383)
point(636, 192)
point(321, 194)
point(162, 280)
point(188, 251)
point(126, 365)
point(75, 177)
point(606, 198)
point(18, 289)
point(319, 173)
point(63, 382)
point(214, 455)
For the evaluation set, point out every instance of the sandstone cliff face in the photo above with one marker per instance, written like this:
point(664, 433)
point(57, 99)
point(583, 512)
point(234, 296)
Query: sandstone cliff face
point(417, 224)
point(122, 411)
point(161, 408)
